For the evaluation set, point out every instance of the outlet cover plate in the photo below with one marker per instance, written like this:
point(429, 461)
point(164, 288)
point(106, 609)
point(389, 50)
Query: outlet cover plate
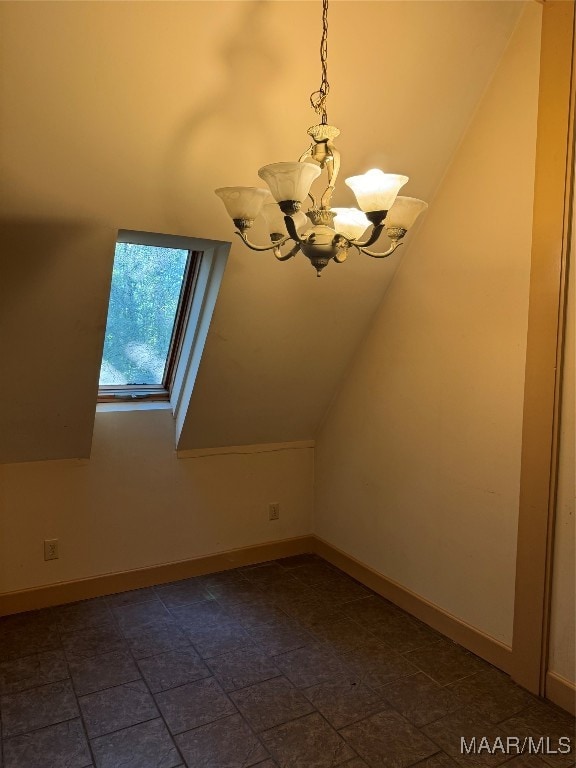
point(51, 549)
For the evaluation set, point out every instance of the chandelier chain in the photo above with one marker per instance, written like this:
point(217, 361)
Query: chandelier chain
point(318, 98)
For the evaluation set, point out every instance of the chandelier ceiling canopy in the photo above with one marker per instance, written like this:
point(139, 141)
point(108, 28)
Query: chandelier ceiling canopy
point(322, 233)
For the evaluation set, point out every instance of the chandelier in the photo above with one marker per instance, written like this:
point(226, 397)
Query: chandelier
point(322, 233)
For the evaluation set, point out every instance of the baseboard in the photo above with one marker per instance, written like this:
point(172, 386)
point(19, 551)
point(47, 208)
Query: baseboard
point(107, 584)
point(561, 691)
point(473, 639)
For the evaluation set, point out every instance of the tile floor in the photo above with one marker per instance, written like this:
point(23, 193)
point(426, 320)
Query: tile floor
point(290, 664)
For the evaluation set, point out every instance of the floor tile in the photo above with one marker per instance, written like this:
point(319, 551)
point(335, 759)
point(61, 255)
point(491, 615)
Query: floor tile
point(441, 760)
point(492, 695)
point(377, 664)
point(199, 614)
point(141, 615)
point(344, 701)
point(387, 740)
point(32, 671)
point(288, 590)
point(446, 662)
point(526, 761)
point(105, 671)
point(308, 742)
point(450, 731)
point(61, 746)
point(370, 610)
point(27, 633)
point(281, 636)
point(242, 668)
point(236, 592)
point(340, 590)
point(133, 596)
point(182, 593)
point(343, 635)
point(314, 612)
point(194, 704)
point(315, 572)
point(227, 743)
point(419, 699)
point(258, 613)
point(216, 639)
point(146, 745)
point(310, 665)
point(271, 703)
point(168, 670)
point(87, 613)
point(37, 708)
point(117, 708)
point(156, 638)
point(542, 719)
point(222, 577)
point(266, 574)
point(92, 641)
point(404, 633)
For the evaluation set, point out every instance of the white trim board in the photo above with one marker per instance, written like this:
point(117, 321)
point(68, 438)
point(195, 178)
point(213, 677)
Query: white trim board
point(197, 453)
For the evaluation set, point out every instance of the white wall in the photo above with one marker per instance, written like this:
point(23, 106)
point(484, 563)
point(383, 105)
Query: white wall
point(562, 660)
point(134, 504)
point(418, 461)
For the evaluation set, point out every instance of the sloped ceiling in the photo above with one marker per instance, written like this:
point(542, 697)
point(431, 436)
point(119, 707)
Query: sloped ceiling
point(128, 115)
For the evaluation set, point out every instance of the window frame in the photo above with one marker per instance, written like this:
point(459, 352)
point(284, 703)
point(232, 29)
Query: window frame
point(132, 393)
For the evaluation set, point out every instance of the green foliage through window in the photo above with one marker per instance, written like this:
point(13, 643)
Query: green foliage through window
point(146, 286)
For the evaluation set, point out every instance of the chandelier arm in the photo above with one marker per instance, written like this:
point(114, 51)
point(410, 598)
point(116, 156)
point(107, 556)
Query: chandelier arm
point(292, 233)
point(254, 247)
point(288, 255)
point(374, 235)
point(395, 244)
point(312, 199)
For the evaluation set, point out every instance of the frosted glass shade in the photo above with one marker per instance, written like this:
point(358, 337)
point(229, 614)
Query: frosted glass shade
point(376, 190)
point(275, 219)
point(289, 181)
point(404, 212)
point(243, 202)
point(350, 222)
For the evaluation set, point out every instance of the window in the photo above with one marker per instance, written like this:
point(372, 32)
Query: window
point(150, 296)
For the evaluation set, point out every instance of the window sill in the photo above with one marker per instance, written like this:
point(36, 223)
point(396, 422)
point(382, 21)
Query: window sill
point(137, 405)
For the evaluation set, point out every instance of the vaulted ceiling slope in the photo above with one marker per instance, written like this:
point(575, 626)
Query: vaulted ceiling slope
point(127, 115)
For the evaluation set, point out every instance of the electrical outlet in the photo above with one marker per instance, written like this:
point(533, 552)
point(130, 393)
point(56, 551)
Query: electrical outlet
point(273, 511)
point(51, 549)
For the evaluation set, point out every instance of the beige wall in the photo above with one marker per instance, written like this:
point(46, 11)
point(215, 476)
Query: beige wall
point(134, 504)
point(562, 659)
point(418, 460)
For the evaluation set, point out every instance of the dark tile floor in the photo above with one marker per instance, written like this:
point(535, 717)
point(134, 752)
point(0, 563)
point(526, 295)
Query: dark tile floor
point(291, 664)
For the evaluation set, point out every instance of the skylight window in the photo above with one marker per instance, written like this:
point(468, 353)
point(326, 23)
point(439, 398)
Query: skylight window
point(149, 296)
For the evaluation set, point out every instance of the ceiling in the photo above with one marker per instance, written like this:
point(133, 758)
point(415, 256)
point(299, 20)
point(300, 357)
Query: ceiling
point(123, 115)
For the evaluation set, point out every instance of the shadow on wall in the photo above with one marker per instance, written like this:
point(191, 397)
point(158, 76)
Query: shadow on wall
point(232, 121)
point(31, 248)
